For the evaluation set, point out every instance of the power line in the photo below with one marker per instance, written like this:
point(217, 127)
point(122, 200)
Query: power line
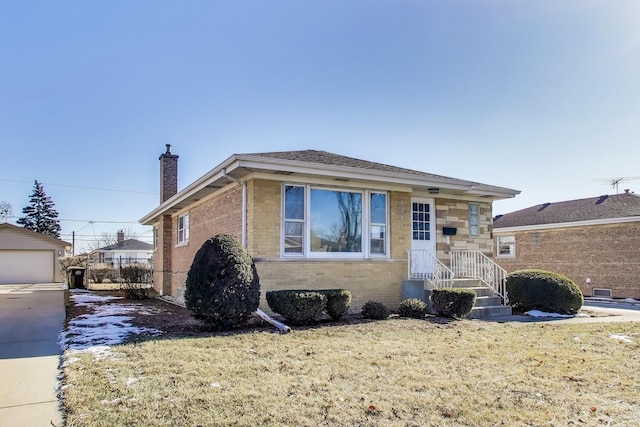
point(79, 186)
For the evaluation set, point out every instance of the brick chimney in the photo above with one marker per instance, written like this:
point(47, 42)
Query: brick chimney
point(168, 174)
point(120, 236)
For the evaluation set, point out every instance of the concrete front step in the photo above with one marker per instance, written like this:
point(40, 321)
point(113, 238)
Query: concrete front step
point(487, 304)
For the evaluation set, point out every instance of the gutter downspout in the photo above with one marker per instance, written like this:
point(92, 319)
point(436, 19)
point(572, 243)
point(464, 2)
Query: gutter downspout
point(244, 204)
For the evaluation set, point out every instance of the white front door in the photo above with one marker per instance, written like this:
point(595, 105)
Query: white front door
point(423, 236)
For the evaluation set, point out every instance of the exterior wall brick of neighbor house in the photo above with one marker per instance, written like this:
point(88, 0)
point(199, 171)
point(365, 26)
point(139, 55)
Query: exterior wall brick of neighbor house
point(607, 255)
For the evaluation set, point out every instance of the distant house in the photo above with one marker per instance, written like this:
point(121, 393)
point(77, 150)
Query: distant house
point(122, 253)
point(29, 257)
point(313, 219)
point(594, 241)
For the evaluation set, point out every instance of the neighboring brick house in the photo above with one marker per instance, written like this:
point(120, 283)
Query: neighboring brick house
point(313, 219)
point(594, 241)
point(123, 252)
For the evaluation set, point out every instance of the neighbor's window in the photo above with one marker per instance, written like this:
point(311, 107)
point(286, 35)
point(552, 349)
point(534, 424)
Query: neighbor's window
point(183, 228)
point(506, 246)
point(474, 220)
point(320, 222)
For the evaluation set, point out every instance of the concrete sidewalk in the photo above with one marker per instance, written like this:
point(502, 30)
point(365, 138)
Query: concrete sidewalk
point(31, 318)
point(596, 312)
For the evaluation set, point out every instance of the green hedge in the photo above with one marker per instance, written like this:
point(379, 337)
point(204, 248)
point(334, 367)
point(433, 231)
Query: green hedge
point(412, 307)
point(338, 302)
point(222, 286)
point(453, 302)
point(543, 290)
point(304, 306)
point(298, 307)
point(374, 310)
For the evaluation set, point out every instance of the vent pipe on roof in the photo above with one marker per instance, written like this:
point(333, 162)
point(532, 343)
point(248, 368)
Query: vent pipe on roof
point(544, 206)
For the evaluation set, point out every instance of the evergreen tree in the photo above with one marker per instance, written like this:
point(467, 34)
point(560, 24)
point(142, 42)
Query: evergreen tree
point(40, 216)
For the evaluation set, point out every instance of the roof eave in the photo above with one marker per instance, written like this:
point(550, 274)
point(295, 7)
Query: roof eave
point(242, 165)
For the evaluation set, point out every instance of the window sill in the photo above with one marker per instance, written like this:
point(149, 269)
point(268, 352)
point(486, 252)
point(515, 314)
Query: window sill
point(180, 244)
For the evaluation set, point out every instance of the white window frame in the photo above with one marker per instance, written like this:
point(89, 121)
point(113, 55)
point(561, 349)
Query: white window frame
point(155, 238)
point(477, 216)
point(365, 226)
point(512, 246)
point(183, 229)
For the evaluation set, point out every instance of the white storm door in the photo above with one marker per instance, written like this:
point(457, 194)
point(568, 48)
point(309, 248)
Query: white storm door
point(423, 237)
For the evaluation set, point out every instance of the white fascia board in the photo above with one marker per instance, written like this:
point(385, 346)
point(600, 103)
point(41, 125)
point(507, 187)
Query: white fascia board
point(279, 165)
point(556, 225)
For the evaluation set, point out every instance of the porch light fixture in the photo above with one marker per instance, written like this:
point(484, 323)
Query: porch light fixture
point(434, 190)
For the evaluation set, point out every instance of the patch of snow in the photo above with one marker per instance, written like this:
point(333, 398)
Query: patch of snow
point(96, 332)
point(631, 301)
point(215, 385)
point(538, 313)
point(131, 381)
point(622, 338)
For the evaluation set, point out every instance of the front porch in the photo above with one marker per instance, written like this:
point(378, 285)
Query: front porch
point(468, 269)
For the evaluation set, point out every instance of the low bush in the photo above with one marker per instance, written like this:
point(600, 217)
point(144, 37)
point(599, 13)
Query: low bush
point(374, 310)
point(452, 302)
point(298, 307)
point(543, 290)
point(99, 275)
point(338, 302)
point(412, 307)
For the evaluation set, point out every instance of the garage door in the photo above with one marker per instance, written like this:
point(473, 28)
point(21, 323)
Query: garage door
point(26, 266)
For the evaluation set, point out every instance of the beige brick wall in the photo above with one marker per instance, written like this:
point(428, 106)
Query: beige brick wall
point(608, 255)
point(220, 214)
point(378, 280)
point(366, 280)
point(455, 213)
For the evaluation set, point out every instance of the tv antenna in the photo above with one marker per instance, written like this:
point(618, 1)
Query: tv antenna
point(615, 182)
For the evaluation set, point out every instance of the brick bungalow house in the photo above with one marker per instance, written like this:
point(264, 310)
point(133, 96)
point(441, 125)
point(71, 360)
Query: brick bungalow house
point(123, 252)
point(594, 241)
point(313, 219)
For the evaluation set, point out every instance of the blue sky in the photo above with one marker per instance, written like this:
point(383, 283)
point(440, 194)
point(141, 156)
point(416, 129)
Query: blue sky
point(541, 96)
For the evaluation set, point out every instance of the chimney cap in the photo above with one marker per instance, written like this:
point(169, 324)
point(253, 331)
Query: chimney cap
point(168, 148)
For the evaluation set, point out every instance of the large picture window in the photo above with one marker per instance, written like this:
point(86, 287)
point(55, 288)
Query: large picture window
point(322, 222)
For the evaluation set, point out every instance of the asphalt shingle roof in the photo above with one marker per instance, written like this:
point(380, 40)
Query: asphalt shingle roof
point(129, 245)
point(331, 159)
point(593, 208)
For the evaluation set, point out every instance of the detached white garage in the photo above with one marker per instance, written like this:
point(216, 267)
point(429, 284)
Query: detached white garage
point(29, 257)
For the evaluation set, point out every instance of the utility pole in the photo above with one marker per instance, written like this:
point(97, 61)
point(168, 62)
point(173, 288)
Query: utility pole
point(73, 243)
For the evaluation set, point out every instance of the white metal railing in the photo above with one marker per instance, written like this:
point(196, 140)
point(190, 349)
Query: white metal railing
point(476, 265)
point(423, 265)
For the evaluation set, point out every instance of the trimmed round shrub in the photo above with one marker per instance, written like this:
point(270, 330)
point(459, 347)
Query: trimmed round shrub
point(298, 307)
point(338, 302)
point(453, 302)
point(543, 290)
point(374, 310)
point(222, 286)
point(412, 307)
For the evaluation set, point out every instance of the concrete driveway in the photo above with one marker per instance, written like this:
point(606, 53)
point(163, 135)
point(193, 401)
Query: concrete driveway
point(31, 318)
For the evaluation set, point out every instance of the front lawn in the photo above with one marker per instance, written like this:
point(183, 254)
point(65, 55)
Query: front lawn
point(398, 372)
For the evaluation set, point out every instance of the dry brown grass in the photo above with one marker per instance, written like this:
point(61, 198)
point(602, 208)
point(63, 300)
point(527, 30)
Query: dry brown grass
point(398, 372)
